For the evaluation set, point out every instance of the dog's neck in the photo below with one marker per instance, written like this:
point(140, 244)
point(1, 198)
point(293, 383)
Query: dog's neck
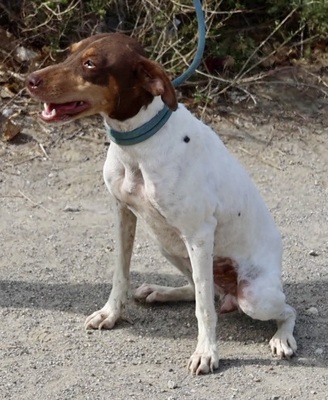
point(144, 115)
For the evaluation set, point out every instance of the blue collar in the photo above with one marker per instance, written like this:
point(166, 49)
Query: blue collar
point(142, 133)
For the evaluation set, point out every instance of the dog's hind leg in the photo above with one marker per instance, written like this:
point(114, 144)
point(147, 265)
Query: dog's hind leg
point(263, 299)
point(283, 343)
point(156, 293)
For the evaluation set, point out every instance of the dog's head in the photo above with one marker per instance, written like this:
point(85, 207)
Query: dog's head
point(105, 73)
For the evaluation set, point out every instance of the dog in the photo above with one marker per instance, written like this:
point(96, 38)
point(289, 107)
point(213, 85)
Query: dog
point(196, 200)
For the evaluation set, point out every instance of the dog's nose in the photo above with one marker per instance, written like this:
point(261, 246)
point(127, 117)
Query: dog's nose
point(33, 81)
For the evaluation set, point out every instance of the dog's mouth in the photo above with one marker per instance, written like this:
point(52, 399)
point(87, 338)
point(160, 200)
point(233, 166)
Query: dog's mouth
point(58, 112)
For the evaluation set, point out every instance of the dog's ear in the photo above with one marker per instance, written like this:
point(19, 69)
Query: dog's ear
point(155, 80)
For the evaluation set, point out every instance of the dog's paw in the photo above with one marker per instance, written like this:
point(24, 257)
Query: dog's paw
point(150, 293)
point(283, 345)
point(101, 319)
point(203, 363)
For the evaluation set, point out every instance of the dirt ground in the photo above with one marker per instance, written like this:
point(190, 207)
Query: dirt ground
point(57, 254)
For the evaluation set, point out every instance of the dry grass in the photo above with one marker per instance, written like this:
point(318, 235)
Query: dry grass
point(168, 30)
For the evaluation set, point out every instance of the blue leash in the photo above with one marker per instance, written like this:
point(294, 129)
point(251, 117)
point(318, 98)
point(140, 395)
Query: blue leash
point(148, 129)
point(200, 47)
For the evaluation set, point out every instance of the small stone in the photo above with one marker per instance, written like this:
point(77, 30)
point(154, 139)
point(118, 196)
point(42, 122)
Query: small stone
point(313, 253)
point(318, 351)
point(7, 112)
point(304, 360)
point(275, 397)
point(171, 384)
point(71, 209)
point(312, 311)
point(24, 54)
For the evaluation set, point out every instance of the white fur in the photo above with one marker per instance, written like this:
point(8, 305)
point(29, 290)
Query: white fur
point(196, 201)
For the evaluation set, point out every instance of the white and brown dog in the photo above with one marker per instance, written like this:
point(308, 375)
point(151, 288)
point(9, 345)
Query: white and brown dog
point(196, 200)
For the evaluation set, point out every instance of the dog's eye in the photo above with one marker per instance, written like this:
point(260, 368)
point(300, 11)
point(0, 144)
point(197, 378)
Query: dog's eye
point(89, 64)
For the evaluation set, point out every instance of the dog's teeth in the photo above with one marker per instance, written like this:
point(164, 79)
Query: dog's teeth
point(47, 114)
point(46, 107)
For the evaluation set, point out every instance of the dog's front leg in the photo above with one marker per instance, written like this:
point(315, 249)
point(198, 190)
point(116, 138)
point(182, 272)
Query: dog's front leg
point(200, 249)
point(107, 316)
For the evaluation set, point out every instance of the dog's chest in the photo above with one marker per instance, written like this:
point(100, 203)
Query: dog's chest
point(129, 186)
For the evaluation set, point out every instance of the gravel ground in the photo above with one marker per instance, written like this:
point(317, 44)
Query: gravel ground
point(56, 261)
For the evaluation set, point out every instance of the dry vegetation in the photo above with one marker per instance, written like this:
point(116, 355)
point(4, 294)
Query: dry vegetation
point(248, 42)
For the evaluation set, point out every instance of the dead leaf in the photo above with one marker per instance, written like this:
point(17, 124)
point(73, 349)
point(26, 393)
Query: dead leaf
point(7, 41)
point(9, 130)
point(6, 92)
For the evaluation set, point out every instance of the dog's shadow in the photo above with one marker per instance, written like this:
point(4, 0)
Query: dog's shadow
point(176, 320)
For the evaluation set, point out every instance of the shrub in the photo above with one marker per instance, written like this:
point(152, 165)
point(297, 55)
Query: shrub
point(239, 33)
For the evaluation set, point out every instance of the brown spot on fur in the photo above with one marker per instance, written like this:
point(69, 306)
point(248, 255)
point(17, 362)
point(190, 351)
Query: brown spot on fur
point(225, 275)
point(226, 279)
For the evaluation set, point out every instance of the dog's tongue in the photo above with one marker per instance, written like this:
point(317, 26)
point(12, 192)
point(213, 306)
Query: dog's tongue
point(52, 112)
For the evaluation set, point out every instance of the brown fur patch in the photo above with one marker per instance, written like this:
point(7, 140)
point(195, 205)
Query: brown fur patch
point(226, 279)
point(225, 275)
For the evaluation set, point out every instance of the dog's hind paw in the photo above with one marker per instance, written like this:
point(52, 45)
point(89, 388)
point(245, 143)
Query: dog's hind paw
point(155, 293)
point(146, 292)
point(283, 345)
point(101, 319)
point(203, 363)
